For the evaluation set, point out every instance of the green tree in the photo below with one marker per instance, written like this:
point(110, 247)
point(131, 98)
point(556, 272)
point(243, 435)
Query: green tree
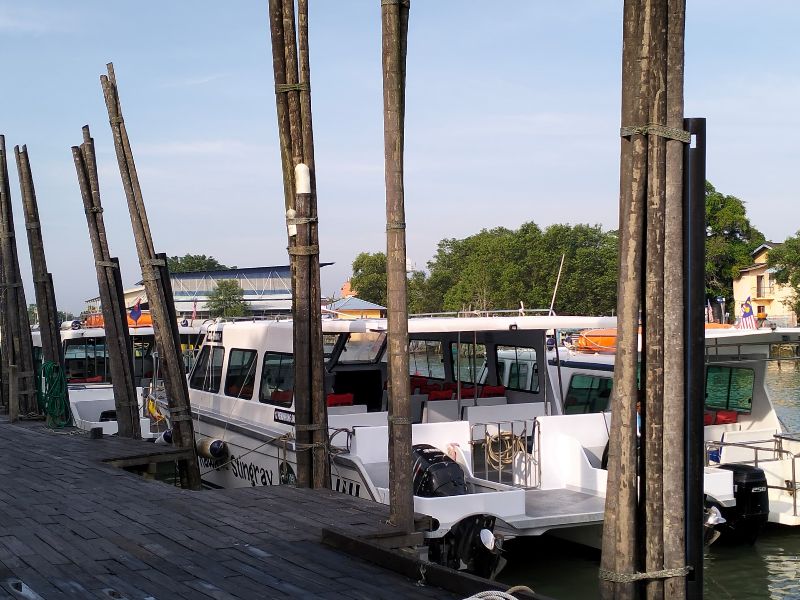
point(195, 262)
point(501, 268)
point(730, 241)
point(785, 259)
point(226, 300)
point(369, 277)
point(33, 314)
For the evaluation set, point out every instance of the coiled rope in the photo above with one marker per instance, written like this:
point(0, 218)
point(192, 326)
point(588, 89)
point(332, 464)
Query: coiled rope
point(498, 595)
point(54, 395)
point(502, 448)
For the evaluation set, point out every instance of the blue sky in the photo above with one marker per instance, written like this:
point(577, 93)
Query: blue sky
point(512, 116)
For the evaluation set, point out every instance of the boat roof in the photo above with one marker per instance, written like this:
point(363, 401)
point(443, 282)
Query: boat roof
point(455, 324)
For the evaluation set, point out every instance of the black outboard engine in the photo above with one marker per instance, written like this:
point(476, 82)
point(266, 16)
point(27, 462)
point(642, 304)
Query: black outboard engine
point(745, 521)
point(436, 474)
point(470, 543)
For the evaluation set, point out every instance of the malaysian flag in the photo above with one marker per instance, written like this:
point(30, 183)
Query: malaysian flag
point(748, 320)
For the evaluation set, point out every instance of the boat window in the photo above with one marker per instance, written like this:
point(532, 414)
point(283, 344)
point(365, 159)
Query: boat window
point(426, 358)
point(208, 369)
point(241, 373)
point(469, 361)
point(588, 394)
point(329, 343)
point(729, 388)
point(189, 347)
point(86, 360)
point(277, 379)
point(143, 362)
point(363, 347)
point(523, 370)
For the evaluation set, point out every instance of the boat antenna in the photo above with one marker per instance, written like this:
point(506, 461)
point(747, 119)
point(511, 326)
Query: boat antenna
point(556, 336)
point(555, 289)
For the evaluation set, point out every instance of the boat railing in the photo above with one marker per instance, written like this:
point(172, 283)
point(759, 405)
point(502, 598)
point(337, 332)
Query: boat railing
point(508, 452)
point(505, 312)
point(773, 446)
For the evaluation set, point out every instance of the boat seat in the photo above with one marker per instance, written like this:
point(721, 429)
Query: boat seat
point(340, 399)
point(440, 411)
point(758, 438)
point(490, 391)
point(351, 409)
point(440, 395)
point(491, 401)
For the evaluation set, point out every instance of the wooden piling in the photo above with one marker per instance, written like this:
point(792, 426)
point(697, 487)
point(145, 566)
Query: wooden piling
point(619, 527)
point(394, 17)
point(52, 349)
point(319, 405)
point(112, 303)
point(654, 303)
point(674, 397)
point(15, 324)
point(154, 271)
point(293, 103)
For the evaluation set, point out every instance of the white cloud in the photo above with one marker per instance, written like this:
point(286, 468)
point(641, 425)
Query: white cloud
point(25, 20)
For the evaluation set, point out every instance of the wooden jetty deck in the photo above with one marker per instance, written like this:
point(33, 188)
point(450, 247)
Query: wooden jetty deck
point(73, 526)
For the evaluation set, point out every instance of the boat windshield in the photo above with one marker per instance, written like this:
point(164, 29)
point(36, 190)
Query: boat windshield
point(363, 347)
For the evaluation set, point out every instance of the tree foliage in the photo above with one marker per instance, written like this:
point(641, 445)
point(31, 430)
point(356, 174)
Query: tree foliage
point(730, 241)
point(369, 277)
point(226, 300)
point(500, 268)
point(195, 262)
point(785, 259)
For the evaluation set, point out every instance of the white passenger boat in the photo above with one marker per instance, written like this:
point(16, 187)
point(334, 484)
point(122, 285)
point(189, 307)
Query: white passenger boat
point(742, 431)
point(529, 463)
point(88, 374)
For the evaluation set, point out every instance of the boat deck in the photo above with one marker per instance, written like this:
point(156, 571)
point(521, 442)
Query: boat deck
point(73, 526)
point(559, 508)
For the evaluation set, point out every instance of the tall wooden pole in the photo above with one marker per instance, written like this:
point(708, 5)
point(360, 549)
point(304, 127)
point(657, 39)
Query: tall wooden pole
point(112, 303)
point(48, 312)
point(674, 397)
point(654, 303)
point(395, 29)
point(619, 528)
point(289, 132)
point(154, 271)
point(16, 324)
point(319, 406)
point(52, 350)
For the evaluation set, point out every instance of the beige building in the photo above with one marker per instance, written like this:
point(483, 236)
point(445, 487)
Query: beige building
point(766, 296)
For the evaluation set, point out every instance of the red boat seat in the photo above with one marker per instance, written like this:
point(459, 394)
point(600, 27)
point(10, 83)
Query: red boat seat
point(340, 399)
point(490, 391)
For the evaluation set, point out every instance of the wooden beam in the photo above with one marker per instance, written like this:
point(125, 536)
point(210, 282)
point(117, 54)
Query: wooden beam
point(394, 16)
point(154, 273)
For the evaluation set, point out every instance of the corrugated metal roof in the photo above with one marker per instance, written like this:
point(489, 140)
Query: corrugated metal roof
point(354, 303)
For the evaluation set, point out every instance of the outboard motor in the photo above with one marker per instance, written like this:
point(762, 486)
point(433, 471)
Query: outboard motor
point(745, 521)
point(436, 474)
point(470, 544)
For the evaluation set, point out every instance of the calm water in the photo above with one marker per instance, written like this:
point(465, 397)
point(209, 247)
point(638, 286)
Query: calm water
point(769, 569)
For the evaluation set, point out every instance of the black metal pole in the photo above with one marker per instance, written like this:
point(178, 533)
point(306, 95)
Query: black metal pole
point(694, 219)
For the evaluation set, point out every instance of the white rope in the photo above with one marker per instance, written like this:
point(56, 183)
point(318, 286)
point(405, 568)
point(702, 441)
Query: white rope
point(498, 595)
